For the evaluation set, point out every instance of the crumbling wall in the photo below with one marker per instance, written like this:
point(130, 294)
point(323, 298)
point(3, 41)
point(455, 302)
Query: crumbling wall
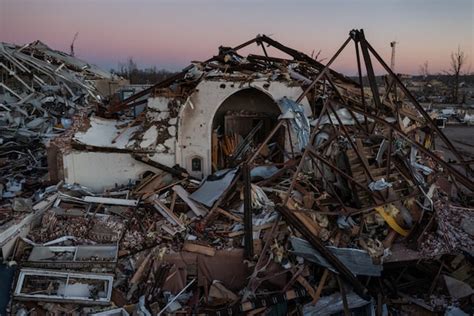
point(102, 156)
point(160, 129)
point(171, 132)
point(196, 116)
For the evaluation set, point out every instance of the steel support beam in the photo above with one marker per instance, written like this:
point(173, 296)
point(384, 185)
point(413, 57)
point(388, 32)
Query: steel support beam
point(359, 37)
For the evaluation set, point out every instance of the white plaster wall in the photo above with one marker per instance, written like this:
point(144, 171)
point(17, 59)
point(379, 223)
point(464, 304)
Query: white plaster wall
point(100, 171)
point(159, 114)
point(195, 118)
point(187, 136)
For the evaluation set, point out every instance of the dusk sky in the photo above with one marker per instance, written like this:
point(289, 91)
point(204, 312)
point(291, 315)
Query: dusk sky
point(170, 33)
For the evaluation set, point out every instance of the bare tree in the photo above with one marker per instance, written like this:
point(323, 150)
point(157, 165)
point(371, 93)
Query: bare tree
point(424, 71)
point(131, 66)
point(456, 70)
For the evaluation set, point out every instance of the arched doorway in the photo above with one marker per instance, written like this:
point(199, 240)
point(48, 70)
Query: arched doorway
point(240, 124)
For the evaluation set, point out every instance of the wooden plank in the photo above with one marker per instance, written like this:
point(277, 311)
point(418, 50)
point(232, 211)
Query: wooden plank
point(320, 288)
point(307, 287)
point(154, 183)
point(167, 214)
point(110, 201)
point(184, 195)
point(316, 242)
point(197, 248)
point(229, 215)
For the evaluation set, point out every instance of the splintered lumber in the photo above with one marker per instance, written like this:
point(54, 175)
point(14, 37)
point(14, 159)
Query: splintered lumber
point(138, 275)
point(173, 171)
point(321, 285)
point(301, 280)
point(154, 183)
point(303, 218)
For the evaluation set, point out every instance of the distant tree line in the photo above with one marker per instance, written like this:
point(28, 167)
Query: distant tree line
point(459, 71)
point(129, 70)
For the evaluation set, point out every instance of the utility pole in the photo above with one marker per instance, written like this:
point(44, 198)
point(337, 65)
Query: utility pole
point(392, 66)
point(392, 62)
point(72, 43)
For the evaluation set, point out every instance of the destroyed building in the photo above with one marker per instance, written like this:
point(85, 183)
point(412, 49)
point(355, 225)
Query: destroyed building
point(250, 185)
point(186, 120)
point(42, 89)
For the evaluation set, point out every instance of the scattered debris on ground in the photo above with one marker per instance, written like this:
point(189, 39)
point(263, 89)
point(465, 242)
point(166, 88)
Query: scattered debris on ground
point(347, 210)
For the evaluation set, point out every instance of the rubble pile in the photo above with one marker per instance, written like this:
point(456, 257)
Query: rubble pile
point(41, 90)
point(355, 213)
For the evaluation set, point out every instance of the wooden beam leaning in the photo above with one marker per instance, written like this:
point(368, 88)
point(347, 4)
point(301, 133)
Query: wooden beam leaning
point(345, 273)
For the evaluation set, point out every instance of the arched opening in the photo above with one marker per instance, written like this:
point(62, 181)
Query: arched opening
point(240, 124)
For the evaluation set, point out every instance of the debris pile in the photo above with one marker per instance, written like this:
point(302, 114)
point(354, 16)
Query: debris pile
point(40, 91)
point(354, 213)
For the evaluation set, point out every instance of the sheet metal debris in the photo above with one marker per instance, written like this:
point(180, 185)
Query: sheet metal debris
point(358, 261)
point(355, 213)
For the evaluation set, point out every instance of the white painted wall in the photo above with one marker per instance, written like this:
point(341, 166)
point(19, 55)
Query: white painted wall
point(100, 171)
point(185, 136)
point(195, 117)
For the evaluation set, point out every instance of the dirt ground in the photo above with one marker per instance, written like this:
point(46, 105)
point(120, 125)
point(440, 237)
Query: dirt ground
point(462, 138)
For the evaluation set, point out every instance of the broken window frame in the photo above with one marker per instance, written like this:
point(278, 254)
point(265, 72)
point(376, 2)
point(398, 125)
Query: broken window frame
point(61, 298)
point(108, 261)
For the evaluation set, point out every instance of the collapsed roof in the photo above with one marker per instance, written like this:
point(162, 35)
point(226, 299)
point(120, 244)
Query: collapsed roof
point(230, 65)
point(41, 89)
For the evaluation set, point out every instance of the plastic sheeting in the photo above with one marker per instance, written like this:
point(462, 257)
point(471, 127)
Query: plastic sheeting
point(263, 172)
point(332, 304)
point(379, 185)
point(356, 260)
point(295, 112)
point(213, 187)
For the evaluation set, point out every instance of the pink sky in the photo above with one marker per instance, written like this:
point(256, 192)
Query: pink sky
point(169, 34)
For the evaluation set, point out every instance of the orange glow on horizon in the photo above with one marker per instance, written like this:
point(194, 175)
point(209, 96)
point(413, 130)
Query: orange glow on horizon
point(170, 34)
